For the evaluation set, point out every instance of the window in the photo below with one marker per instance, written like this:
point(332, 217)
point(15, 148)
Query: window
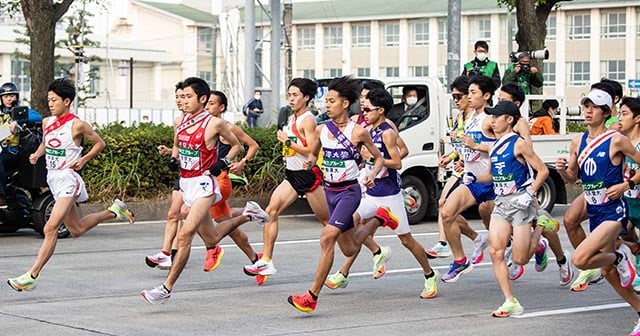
point(614, 70)
point(204, 39)
point(361, 36)
point(337, 72)
point(579, 27)
point(551, 27)
point(94, 79)
point(504, 29)
point(20, 75)
point(419, 71)
point(549, 74)
point(419, 33)
point(206, 76)
point(333, 37)
point(258, 65)
point(579, 73)
point(363, 72)
point(306, 38)
point(614, 25)
point(307, 73)
point(389, 72)
point(390, 35)
point(442, 74)
point(480, 28)
point(442, 30)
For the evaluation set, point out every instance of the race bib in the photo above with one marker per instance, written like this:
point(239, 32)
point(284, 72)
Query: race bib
point(189, 158)
point(55, 157)
point(594, 192)
point(470, 155)
point(368, 166)
point(288, 151)
point(334, 170)
point(504, 184)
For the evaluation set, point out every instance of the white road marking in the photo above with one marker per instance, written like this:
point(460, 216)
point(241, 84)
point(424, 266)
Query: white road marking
point(573, 310)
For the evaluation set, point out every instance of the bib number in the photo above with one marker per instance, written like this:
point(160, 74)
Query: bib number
point(594, 192)
point(189, 158)
point(55, 157)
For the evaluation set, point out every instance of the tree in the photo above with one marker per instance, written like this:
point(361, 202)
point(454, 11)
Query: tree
point(41, 17)
point(532, 17)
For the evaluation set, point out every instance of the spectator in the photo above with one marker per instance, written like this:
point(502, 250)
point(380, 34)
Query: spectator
point(254, 109)
point(283, 116)
point(409, 106)
point(523, 73)
point(481, 65)
point(542, 121)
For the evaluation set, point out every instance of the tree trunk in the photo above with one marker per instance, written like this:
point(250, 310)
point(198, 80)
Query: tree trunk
point(41, 17)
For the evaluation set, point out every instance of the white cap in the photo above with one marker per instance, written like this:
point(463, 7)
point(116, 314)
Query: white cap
point(598, 97)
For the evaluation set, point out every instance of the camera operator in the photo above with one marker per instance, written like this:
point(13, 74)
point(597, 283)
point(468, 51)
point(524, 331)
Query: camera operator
point(523, 73)
point(10, 145)
point(481, 65)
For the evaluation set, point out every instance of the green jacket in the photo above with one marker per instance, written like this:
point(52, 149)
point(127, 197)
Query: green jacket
point(487, 68)
point(526, 80)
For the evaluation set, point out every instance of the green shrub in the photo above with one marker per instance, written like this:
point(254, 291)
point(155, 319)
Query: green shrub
point(131, 168)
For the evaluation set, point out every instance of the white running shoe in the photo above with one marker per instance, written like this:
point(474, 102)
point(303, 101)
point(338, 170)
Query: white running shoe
point(260, 267)
point(479, 244)
point(156, 295)
point(159, 260)
point(254, 211)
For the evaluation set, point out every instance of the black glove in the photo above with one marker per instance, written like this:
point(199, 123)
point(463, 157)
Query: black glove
point(219, 166)
point(173, 164)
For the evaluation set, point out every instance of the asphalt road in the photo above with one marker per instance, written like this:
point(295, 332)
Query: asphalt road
point(91, 286)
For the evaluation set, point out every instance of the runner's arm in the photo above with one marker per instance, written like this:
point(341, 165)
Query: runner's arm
point(389, 139)
point(525, 149)
point(252, 149)
point(568, 169)
point(82, 129)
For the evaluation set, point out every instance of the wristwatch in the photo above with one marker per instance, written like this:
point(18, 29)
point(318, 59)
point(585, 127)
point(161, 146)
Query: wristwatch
point(245, 160)
point(631, 184)
point(288, 143)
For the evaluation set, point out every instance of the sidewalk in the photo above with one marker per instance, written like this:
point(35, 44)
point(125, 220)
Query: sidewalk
point(157, 210)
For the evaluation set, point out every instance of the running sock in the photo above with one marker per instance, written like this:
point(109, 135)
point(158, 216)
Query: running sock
point(167, 253)
point(173, 253)
point(212, 247)
point(638, 313)
point(562, 261)
point(443, 243)
point(32, 277)
point(256, 259)
point(540, 248)
point(266, 259)
point(619, 257)
point(315, 297)
point(430, 275)
point(344, 275)
point(462, 261)
point(377, 252)
point(165, 288)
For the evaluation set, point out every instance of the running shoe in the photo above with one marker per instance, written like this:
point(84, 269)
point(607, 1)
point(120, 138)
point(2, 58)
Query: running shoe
point(213, 258)
point(636, 329)
point(636, 284)
point(337, 280)
point(566, 271)
point(541, 255)
point(261, 279)
point(122, 212)
point(507, 254)
point(548, 223)
point(380, 262)
point(254, 211)
point(456, 270)
point(439, 251)
point(304, 303)
point(159, 260)
point(479, 244)
point(626, 272)
point(430, 289)
point(508, 308)
point(408, 200)
point(156, 295)
point(387, 217)
point(23, 283)
point(515, 271)
point(585, 278)
point(260, 267)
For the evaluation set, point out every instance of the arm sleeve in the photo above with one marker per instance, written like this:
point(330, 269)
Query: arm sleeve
point(496, 77)
point(509, 76)
point(536, 79)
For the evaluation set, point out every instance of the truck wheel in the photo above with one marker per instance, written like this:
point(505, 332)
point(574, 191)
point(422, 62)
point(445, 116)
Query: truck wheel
point(547, 195)
point(416, 198)
point(40, 217)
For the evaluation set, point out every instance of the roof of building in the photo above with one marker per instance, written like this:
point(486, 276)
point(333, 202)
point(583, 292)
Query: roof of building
point(184, 11)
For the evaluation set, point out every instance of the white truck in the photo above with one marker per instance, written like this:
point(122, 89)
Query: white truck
point(427, 141)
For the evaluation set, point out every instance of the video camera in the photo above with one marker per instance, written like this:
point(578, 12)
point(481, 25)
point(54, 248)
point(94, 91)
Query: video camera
point(534, 54)
point(20, 113)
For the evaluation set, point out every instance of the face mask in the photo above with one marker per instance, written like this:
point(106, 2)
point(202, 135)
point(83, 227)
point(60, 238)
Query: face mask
point(481, 56)
point(412, 101)
point(257, 97)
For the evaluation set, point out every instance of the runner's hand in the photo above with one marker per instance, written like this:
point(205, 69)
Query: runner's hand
point(522, 202)
point(173, 164)
point(468, 178)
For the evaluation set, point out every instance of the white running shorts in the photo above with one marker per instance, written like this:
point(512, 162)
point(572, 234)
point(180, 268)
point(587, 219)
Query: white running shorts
point(66, 183)
point(197, 187)
point(369, 205)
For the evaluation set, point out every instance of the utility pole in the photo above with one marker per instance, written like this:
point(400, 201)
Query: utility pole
point(287, 21)
point(249, 48)
point(276, 39)
point(78, 53)
point(453, 40)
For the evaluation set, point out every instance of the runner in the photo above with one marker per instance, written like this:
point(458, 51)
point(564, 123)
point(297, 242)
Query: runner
point(341, 139)
point(195, 141)
point(62, 136)
point(298, 181)
point(477, 141)
point(386, 191)
point(512, 163)
point(598, 157)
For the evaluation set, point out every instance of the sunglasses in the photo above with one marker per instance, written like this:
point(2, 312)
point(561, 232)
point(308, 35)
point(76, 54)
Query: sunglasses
point(368, 109)
point(457, 96)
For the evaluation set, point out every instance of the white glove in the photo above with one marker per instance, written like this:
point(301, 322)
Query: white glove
point(468, 178)
point(523, 201)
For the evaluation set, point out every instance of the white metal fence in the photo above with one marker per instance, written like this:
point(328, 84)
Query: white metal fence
point(127, 117)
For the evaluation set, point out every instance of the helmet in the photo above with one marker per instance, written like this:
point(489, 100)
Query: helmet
point(9, 88)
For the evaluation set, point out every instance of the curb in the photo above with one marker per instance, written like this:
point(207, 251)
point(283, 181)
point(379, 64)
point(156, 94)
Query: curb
point(157, 210)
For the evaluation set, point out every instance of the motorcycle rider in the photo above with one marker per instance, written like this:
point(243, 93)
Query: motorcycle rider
point(10, 144)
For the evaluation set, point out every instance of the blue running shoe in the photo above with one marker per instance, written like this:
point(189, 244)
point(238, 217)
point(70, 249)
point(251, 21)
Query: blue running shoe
point(456, 270)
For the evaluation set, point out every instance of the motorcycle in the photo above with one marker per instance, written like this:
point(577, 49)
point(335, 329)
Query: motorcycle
point(29, 200)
